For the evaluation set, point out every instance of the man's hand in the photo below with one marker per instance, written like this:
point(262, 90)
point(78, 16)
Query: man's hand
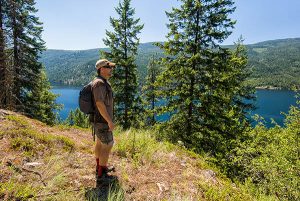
point(111, 126)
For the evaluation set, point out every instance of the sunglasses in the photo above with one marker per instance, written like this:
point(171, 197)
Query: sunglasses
point(109, 67)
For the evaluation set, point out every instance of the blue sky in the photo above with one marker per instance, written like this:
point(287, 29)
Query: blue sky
point(81, 24)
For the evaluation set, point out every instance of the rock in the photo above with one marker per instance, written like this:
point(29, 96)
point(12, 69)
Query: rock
point(162, 187)
point(209, 175)
point(33, 164)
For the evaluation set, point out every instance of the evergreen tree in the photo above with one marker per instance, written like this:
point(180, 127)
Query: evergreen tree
point(26, 44)
point(2, 54)
point(149, 90)
point(202, 82)
point(25, 86)
point(40, 101)
point(77, 118)
point(70, 119)
point(123, 43)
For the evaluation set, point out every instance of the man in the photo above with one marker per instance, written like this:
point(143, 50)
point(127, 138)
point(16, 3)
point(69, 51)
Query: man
point(103, 119)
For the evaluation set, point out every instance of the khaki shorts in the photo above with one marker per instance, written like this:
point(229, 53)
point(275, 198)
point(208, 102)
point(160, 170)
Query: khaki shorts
point(101, 131)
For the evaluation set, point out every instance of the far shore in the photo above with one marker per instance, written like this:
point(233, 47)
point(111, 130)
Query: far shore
point(260, 87)
point(269, 88)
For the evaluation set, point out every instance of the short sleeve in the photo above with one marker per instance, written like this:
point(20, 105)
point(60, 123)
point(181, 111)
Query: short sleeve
point(99, 91)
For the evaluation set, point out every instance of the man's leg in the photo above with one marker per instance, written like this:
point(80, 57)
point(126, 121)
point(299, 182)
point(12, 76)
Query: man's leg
point(102, 152)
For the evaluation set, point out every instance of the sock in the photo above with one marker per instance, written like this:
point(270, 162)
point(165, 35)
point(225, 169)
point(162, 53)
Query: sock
point(97, 162)
point(101, 169)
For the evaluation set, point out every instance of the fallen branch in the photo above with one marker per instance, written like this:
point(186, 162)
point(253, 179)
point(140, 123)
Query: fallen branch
point(19, 170)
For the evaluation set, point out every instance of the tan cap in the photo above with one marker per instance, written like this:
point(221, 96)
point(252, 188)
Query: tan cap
point(104, 62)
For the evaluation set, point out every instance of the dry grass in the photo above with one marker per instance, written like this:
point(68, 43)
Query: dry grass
point(146, 169)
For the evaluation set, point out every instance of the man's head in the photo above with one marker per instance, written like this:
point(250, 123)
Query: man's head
point(104, 68)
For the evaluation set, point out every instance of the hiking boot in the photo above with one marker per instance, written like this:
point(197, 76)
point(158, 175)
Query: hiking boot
point(105, 171)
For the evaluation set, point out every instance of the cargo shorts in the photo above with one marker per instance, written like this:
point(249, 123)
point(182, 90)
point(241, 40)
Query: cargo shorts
point(101, 131)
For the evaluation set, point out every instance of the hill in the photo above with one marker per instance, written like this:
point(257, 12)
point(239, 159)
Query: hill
point(275, 63)
point(272, 63)
point(56, 163)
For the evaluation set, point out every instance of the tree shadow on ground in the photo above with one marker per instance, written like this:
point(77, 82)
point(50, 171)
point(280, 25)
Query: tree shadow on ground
point(111, 191)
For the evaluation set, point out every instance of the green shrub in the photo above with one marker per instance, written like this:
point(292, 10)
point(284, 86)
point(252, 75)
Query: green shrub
point(269, 158)
point(16, 191)
point(139, 145)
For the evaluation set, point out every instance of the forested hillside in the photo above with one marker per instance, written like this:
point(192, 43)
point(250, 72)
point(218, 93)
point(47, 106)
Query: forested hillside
point(272, 63)
point(275, 63)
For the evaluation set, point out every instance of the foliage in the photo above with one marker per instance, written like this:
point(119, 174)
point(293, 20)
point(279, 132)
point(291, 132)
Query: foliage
point(25, 85)
point(123, 43)
point(139, 145)
point(23, 46)
point(203, 83)
point(67, 67)
point(269, 158)
point(12, 190)
point(149, 91)
point(275, 63)
point(272, 63)
point(77, 118)
point(224, 192)
point(41, 103)
point(2, 52)
point(31, 141)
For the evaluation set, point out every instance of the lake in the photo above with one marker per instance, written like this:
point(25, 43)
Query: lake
point(270, 103)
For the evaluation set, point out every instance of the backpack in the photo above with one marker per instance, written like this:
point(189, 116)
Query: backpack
point(86, 104)
point(86, 99)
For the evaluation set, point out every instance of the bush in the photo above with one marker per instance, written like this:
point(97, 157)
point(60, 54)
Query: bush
point(269, 158)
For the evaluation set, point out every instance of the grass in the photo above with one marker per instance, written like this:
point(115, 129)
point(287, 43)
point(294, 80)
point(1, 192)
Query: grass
point(19, 120)
point(116, 193)
point(224, 192)
point(139, 145)
point(31, 141)
point(12, 190)
point(25, 138)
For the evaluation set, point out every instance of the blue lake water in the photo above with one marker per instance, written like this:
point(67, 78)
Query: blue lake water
point(269, 103)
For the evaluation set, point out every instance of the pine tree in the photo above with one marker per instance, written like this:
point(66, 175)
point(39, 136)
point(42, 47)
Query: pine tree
point(2, 55)
point(25, 44)
point(25, 85)
point(149, 91)
point(77, 118)
point(201, 84)
point(123, 43)
point(70, 119)
point(40, 101)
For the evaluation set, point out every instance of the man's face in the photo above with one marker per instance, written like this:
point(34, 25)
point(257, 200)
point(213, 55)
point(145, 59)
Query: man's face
point(106, 71)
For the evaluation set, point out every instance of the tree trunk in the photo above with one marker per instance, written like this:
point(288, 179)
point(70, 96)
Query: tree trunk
point(2, 59)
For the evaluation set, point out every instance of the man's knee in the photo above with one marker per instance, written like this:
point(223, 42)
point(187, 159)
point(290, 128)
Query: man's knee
point(104, 145)
point(108, 145)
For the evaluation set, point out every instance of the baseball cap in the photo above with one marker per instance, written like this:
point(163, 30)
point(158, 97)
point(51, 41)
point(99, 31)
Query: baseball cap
point(104, 62)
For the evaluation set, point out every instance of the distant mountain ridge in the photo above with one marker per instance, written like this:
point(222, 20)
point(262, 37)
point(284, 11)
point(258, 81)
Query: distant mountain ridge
point(273, 63)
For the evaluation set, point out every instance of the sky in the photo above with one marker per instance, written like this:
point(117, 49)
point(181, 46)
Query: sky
point(81, 24)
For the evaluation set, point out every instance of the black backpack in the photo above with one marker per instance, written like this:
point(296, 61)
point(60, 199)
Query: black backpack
point(86, 102)
point(86, 99)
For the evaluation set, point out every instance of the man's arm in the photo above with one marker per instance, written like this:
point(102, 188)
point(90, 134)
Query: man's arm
point(102, 109)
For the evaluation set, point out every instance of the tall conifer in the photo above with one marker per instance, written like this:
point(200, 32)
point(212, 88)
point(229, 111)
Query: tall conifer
point(200, 84)
point(123, 43)
point(2, 55)
point(42, 101)
point(26, 45)
point(25, 86)
point(149, 90)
